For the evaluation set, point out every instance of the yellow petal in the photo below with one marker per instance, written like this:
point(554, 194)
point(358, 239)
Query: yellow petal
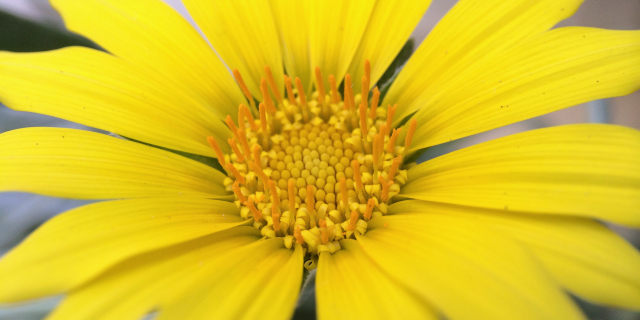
point(155, 280)
point(150, 34)
point(470, 31)
point(79, 244)
point(586, 170)
point(558, 69)
point(335, 30)
point(389, 27)
point(99, 90)
point(291, 18)
point(244, 35)
point(79, 164)
point(466, 270)
point(350, 286)
point(585, 257)
point(261, 281)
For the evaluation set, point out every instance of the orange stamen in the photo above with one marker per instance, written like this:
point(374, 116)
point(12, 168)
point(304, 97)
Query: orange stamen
point(391, 111)
point(235, 173)
point(385, 188)
point(320, 84)
point(298, 235)
point(374, 103)
point(343, 192)
point(364, 91)
point(258, 170)
point(412, 130)
point(234, 146)
point(348, 93)
point(275, 217)
point(303, 99)
point(292, 196)
point(241, 124)
point(263, 119)
point(274, 193)
point(352, 221)
point(216, 148)
point(244, 87)
point(247, 113)
point(392, 141)
point(335, 96)
point(311, 200)
point(363, 120)
point(256, 156)
point(356, 174)
point(394, 167)
point(266, 98)
point(324, 233)
point(367, 212)
point(257, 215)
point(236, 190)
point(367, 71)
point(287, 84)
point(244, 143)
point(232, 126)
point(272, 84)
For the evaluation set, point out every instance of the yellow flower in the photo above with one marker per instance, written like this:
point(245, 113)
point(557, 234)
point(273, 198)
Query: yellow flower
point(500, 230)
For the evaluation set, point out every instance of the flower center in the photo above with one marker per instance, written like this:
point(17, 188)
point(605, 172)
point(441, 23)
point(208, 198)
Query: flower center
point(314, 170)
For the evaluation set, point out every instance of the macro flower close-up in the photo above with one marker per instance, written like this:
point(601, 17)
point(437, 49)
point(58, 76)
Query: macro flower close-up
point(273, 142)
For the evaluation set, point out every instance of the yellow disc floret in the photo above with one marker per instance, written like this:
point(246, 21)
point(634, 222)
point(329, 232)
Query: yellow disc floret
point(314, 170)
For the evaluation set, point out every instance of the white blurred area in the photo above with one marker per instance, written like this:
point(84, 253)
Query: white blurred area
point(20, 213)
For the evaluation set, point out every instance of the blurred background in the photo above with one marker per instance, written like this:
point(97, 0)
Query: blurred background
point(32, 25)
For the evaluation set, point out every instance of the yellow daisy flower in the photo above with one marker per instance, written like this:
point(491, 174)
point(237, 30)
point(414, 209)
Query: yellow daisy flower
point(319, 178)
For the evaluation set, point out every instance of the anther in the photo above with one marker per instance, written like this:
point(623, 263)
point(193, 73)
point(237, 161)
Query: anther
point(261, 174)
point(364, 91)
point(287, 84)
point(263, 118)
point(343, 193)
point(232, 126)
point(272, 84)
point(256, 156)
point(257, 215)
point(335, 96)
point(216, 148)
point(348, 93)
point(292, 196)
point(392, 141)
point(367, 72)
point(412, 130)
point(374, 103)
point(324, 233)
point(234, 147)
point(244, 143)
point(247, 113)
point(363, 121)
point(243, 86)
point(235, 173)
point(298, 235)
point(352, 221)
point(355, 165)
point(375, 154)
point(275, 216)
point(274, 194)
point(385, 188)
point(391, 111)
point(369, 209)
point(266, 98)
point(394, 167)
point(303, 99)
point(236, 190)
point(320, 83)
point(241, 124)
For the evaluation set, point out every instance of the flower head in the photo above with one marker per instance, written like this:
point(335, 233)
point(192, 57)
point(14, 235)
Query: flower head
point(314, 176)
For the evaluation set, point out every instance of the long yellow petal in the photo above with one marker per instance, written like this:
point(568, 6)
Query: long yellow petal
point(389, 27)
point(79, 164)
point(558, 69)
point(367, 292)
point(467, 33)
point(79, 244)
point(99, 90)
point(335, 30)
point(150, 34)
point(586, 258)
point(244, 35)
point(155, 280)
point(259, 282)
point(291, 18)
point(586, 170)
point(466, 270)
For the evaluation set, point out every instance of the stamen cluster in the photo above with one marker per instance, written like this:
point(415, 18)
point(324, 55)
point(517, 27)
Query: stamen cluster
point(314, 170)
